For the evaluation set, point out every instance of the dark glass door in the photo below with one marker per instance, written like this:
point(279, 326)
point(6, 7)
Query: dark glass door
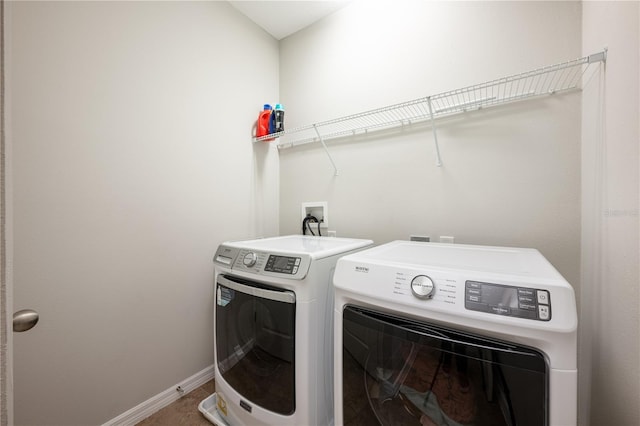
point(255, 342)
point(402, 372)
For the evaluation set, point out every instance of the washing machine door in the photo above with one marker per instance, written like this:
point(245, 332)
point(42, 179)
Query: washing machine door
point(398, 371)
point(255, 342)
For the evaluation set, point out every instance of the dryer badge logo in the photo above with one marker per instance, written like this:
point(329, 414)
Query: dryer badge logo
point(362, 269)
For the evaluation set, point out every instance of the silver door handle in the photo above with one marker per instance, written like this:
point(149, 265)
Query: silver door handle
point(24, 320)
point(279, 296)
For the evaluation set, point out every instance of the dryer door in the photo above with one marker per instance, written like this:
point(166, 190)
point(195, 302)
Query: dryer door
point(398, 371)
point(255, 347)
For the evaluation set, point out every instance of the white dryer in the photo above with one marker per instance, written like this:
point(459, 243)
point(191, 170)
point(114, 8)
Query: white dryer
point(448, 334)
point(273, 330)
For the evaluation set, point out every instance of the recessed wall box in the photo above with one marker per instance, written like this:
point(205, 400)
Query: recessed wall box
point(317, 209)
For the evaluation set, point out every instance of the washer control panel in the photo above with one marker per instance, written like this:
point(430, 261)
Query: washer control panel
point(520, 302)
point(294, 266)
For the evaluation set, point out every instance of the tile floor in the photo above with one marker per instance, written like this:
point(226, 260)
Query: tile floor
point(183, 412)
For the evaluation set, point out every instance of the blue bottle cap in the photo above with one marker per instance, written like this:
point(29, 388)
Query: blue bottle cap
point(267, 107)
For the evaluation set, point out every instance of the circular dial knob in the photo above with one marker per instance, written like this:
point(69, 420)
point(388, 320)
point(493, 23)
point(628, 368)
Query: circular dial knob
point(249, 259)
point(422, 287)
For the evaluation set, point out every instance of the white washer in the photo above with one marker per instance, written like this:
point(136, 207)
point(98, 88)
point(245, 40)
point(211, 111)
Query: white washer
point(405, 310)
point(273, 330)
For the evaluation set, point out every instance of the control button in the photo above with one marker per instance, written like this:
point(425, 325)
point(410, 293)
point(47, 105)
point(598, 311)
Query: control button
point(543, 312)
point(475, 292)
point(249, 259)
point(295, 269)
point(526, 299)
point(543, 297)
point(500, 310)
point(526, 292)
point(472, 298)
point(527, 306)
point(297, 263)
point(422, 287)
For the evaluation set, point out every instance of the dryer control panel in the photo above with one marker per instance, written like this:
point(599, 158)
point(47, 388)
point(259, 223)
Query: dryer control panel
point(498, 299)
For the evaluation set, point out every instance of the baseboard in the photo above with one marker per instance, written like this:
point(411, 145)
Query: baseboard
point(156, 403)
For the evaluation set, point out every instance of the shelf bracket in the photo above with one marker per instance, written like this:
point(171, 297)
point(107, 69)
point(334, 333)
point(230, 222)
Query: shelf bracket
point(598, 57)
point(435, 133)
point(335, 169)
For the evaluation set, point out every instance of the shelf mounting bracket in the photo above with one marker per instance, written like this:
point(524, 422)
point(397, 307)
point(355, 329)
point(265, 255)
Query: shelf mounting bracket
point(335, 169)
point(435, 133)
point(598, 57)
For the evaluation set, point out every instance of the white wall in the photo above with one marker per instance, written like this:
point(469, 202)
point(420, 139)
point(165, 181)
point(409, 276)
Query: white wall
point(560, 175)
point(511, 176)
point(130, 124)
point(610, 327)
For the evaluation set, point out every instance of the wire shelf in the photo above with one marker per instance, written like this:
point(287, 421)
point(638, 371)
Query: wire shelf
point(552, 79)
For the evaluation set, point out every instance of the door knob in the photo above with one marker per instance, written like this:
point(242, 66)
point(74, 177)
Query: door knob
point(25, 319)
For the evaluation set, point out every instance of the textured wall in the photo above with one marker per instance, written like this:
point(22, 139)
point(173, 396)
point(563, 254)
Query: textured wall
point(5, 365)
point(131, 127)
point(610, 330)
point(511, 175)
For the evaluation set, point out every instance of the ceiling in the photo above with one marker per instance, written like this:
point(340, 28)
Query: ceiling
point(283, 18)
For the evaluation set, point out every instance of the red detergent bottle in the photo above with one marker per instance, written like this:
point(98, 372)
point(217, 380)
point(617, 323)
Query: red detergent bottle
point(264, 119)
